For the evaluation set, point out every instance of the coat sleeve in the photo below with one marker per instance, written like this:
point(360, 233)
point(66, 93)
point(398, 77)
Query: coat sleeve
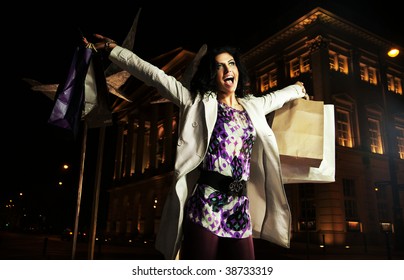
point(168, 86)
point(276, 99)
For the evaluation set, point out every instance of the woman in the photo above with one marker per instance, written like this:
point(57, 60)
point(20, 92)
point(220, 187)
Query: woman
point(227, 185)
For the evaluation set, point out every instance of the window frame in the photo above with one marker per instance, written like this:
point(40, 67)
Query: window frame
point(338, 62)
point(375, 136)
point(399, 136)
point(369, 71)
point(345, 104)
point(299, 64)
point(394, 84)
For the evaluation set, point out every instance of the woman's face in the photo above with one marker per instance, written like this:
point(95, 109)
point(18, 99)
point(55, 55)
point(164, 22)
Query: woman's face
point(227, 73)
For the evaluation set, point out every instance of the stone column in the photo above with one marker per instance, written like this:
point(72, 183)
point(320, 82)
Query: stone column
point(320, 66)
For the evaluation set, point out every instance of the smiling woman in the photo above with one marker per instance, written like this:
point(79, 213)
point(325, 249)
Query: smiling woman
point(44, 40)
point(212, 177)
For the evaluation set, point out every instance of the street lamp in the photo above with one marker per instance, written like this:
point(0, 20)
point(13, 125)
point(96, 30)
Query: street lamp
point(393, 52)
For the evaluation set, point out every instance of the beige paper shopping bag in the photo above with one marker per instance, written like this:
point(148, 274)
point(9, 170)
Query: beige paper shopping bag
point(298, 127)
point(294, 172)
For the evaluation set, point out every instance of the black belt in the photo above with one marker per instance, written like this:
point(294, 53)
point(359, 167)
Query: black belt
point(223, 183)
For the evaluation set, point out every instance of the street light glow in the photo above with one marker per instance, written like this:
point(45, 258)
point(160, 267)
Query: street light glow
point(393, 52)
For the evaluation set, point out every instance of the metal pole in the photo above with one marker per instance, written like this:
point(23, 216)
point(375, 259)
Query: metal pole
point(93, 232)
point(79, 191)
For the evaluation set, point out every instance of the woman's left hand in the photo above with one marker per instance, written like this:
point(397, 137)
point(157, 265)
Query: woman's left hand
point(104, 43)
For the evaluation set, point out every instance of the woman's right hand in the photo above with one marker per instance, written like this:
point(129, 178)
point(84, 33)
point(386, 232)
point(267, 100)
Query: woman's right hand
point(299, 83)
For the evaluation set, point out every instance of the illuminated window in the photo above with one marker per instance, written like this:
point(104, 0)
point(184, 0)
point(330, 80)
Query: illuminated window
point(160, 145)
point(375, 138)
point(353, 226)
point(264, 82)
point(394, 84)
point(400, 141)
point(268, 80)
point(305, 63)
point(295, 67)
point(299, 65)
point(343, 129)
point(368, 73)
point(338, 62)
point(273, 79)
point(386, 227)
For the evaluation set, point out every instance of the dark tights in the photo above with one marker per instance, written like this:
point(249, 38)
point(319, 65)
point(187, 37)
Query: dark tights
point(201, 244)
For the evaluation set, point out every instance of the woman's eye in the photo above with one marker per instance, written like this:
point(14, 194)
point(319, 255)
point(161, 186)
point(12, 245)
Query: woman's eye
point(232, 63)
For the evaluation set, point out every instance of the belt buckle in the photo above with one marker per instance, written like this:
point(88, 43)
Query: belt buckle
point(236, 186)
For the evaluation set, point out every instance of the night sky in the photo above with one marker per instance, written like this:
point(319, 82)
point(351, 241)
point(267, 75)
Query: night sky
point(38, 41)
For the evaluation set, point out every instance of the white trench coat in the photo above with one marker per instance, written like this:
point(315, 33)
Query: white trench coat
point(270, 213)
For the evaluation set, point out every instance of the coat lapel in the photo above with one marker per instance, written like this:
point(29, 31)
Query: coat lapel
point(210, 103)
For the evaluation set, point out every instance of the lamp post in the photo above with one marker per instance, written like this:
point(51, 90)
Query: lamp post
point(392, 155)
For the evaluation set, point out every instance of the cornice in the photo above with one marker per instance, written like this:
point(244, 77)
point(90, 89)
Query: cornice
point(316, 16)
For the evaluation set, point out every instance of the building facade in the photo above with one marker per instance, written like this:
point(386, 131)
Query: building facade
point(339, 63)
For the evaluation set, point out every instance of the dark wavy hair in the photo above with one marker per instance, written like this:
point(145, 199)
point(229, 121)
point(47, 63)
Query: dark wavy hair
point(204, 79)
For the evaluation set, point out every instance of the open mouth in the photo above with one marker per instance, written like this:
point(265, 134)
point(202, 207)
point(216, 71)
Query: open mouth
point(229, 80)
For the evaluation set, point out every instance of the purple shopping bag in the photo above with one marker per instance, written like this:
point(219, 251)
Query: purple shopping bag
point(66, 112)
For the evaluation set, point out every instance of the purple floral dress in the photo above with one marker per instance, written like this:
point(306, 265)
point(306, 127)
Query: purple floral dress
point(229, 153)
